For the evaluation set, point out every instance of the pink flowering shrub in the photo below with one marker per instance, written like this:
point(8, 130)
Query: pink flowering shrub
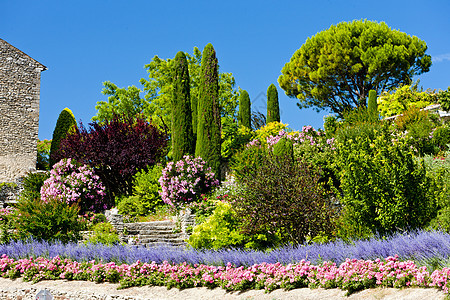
point(72, 182)
point(352, 275)
point(183, 182)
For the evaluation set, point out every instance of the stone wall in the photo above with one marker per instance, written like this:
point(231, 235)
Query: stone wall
point(20, 77)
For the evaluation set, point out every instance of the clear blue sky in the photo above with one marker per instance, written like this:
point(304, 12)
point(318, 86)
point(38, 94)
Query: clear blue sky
point(84, 43)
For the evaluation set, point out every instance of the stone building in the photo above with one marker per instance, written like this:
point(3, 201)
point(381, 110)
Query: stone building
point(20, 78)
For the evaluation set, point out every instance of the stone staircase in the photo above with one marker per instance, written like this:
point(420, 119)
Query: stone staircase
point(150, 234)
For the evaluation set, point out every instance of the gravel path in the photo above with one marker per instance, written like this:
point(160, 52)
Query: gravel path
point(65, 290)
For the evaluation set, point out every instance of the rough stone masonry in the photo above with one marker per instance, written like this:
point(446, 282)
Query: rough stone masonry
point(20, 79)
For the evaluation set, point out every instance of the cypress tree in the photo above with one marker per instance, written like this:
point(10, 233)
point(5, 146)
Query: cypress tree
point(244, 109)
point(65, 123)
point(372, 104)
point(208, 144)
point(273, 108)
point(182, 134)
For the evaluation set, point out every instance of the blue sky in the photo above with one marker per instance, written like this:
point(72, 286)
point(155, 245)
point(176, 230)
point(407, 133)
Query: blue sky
point(84, 43)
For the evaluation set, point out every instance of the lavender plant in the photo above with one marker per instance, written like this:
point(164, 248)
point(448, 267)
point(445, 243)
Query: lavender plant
point(72, 182)
point(183, 182)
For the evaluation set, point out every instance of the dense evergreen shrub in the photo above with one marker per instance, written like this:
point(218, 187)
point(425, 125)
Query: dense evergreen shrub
point(245, 112)
point(104, 233)
point(234, 138)
point(51, 220)
point(273, 107)
point(372, 104)
point(441, 137)
point(285, 198)
point(183, 142)
point(117, 150)
point(32, 184)
point(65, 124)
point(382, 186)
point(209, 120)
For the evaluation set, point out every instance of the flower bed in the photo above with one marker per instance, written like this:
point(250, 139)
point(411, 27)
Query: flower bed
point(352, 275)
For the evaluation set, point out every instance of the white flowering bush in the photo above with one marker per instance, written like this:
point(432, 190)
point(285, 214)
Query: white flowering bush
point(183, 182)
point(73, 182)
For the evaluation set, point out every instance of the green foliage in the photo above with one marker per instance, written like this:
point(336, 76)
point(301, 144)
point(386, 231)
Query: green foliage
point(208, 145)
point(248, 157)
point(145, 198)
point(418, 126)
point(286, 198)
point(382, 185)
point(65, 124)
point(104, 233)
point(337, 67)
point(284, 148)
point(43, 155)
point(439, 169)
point(32, 184)
point(271, 129)
point(121, 102)
point(372, 104)
point(330, 125)
point(221, 230)
point(245, 112)
point(234, 137)
point(404, 98)
point(54, 220)
point(273, 108)
point(441, 137)
point(183, 142)
point(444, 99)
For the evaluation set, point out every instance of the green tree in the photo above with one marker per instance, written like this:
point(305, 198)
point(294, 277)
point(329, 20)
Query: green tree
point(65, 123)
point(155, 104)
point(125, 102)
point(183, 141)
point(208, 145)
point(403, 98)
point(336, 68)
point(244, 110)
point(273, 108)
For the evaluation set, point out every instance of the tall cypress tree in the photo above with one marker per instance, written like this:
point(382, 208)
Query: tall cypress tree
point(372, 104)
point(273, 108)
point(65, 124)
point(208, 124)
point(245, 113)
point(182, 134)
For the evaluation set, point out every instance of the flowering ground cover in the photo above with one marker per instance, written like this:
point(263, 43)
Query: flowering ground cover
point(385, 262)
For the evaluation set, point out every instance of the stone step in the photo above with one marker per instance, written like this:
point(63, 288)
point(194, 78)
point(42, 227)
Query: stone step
point(164, 244)
point(152, 240)
point(163, 236)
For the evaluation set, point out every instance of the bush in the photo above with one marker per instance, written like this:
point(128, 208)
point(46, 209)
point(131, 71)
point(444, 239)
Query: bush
point(32, 184)
point(221, 230)
point(382, 185)
point(51, 220)
point(183, 182)
point(43, 155)
point(283, 197)
point(234, 137)
point(117, 150)
point(104, 233)
point(72, 182)
point(146, 189)
point(441, 137)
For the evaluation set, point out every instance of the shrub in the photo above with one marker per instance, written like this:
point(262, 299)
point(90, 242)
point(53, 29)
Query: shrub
point(444, 99)
point(282, 197)
point(234, 137)
point(245, 111)
point(65, 124)
point(146, 189)
point(441, 137)
point(7, 216)
point(252, 155)
point(221, 230)
point(104, 233)
point(184, 181)
point(50, 220)
point(116, 150)
point(382, 185)
point(284, 148)
point(32, 184)
point(72, 182)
